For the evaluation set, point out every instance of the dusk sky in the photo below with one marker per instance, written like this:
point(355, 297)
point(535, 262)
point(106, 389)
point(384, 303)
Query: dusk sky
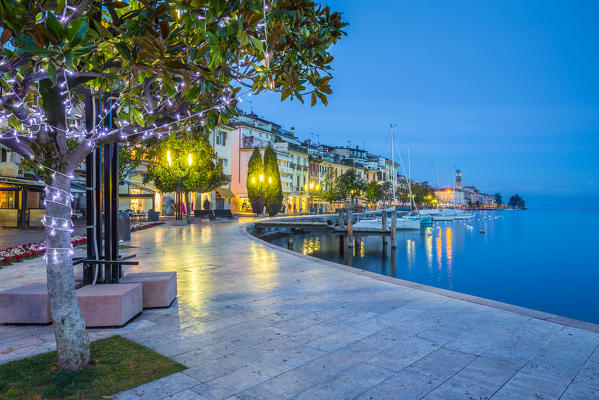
point(508, 91)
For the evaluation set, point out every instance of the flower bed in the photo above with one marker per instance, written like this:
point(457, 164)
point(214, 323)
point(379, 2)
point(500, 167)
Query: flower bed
point(138, 226)
point(28, 251)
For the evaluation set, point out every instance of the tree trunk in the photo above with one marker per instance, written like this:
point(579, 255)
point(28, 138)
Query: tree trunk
point(72, 342)
point(187, 207)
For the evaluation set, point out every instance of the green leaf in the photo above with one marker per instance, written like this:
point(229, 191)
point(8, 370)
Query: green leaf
point(69, 58)
point(34, 51)
point(54, 26)
point(51, 72)
point(98, 27)
point(76, 31)
point(257, 43)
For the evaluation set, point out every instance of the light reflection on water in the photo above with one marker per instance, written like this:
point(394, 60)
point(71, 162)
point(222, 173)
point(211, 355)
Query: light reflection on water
point(539, 259)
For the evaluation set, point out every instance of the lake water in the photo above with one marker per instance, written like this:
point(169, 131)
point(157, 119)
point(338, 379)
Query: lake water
point(541, 259)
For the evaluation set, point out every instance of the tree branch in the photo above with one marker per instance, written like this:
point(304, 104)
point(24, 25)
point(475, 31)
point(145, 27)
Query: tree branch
point(20, 145)
point(75, 14)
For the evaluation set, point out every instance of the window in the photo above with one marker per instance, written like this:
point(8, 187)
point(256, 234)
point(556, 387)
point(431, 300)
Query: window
point(221, 138)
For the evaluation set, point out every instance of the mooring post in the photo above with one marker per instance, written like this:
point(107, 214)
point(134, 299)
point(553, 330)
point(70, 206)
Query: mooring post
point(393, 228)
point(350, 231)
point(341, 211)
point(384, 227)
point(290, 241)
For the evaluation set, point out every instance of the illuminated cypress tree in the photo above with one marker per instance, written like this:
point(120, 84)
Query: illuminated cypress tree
point(255, 182)
point(273, 192)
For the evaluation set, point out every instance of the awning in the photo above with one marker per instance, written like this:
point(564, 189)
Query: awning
point(225, 192)
point(30, 184)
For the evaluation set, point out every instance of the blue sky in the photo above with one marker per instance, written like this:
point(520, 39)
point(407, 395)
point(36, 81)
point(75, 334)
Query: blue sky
point(507, 91)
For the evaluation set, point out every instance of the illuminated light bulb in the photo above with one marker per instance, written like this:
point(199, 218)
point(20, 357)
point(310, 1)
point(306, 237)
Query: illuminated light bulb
point(189, 159)
point(269, 179)
point(168, 157)
point(253, 180)
point(261, 177)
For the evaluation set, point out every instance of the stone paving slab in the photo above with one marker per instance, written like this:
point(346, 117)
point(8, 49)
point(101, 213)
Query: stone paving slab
point(255, 323)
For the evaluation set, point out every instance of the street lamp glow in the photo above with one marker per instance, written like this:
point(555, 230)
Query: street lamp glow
point(189, 159)
point(261, 177)
point(270, 179)
point(311, 185)
point(168, 157)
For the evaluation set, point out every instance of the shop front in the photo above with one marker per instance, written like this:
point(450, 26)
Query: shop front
point(20, 202)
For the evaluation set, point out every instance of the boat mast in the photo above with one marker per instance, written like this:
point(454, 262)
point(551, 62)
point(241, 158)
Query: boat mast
point(393, 161)
point(438, 187)
point(437, 166)
point(412, 200)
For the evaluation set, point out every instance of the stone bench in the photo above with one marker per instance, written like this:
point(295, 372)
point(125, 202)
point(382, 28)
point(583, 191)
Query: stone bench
point(109, 304)
point(159, 288)
point(27, 304)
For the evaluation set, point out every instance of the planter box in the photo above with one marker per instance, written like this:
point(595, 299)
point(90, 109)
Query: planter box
point(159, 288)
point(109, 304)
point(27, 304)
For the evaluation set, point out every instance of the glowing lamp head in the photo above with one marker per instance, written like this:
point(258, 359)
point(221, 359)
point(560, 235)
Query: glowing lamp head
point(311, 185)
point(261, 177)
point(270, 179)
point(189, 159)
point(253, 180)
point(168, 158)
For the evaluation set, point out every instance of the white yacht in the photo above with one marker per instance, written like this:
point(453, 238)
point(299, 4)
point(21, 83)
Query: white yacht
point(451, 214)
point(406, 222)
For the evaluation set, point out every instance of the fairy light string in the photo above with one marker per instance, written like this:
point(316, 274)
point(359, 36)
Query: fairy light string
point(32, 120)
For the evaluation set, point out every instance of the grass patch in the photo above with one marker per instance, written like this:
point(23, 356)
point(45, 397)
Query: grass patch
point(117, 364)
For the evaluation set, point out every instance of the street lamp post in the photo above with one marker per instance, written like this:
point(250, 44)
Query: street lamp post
point(179, 172)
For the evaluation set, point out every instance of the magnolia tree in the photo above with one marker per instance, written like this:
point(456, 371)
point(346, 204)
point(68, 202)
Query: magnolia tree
point(146, 68)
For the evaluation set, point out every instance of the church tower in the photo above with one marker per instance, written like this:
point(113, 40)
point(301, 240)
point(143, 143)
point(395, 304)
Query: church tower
point(458, 180)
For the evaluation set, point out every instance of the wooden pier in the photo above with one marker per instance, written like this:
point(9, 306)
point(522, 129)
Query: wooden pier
point(340, 224)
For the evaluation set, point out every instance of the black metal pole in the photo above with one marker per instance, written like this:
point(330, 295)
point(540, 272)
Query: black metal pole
point(97, 199)
point(108, 228)
point(179, 215)
point(89, 196)
point(117, 270)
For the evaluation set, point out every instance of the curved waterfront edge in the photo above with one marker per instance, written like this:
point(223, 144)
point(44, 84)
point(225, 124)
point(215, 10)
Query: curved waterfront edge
point(244, 229)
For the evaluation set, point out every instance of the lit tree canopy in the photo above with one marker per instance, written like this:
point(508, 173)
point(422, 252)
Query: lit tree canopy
point(255, 182)
point(351, 184)
point(203, 175)
point(273, 191)
point(330, 190)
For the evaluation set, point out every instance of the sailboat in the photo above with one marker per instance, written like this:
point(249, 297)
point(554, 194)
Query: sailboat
point(405, 222)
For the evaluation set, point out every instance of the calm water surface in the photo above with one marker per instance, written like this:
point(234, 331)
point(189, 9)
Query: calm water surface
point(541, 259)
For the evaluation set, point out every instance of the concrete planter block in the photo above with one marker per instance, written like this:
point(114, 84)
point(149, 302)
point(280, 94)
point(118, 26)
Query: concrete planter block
point(109, 304)
point(27, 304)
point(159, 288)
point(182, 222)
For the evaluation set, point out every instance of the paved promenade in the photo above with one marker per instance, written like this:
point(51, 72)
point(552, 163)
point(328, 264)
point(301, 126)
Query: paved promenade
point(252, 322)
